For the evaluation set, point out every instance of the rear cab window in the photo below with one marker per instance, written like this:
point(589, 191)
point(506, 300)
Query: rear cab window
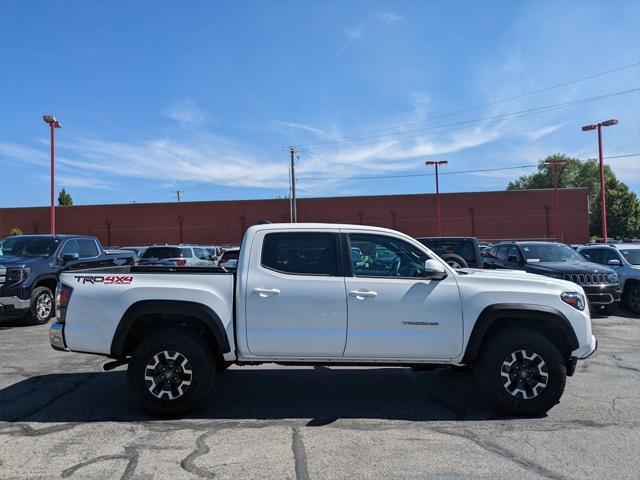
point(163, 252)
point(301, 253)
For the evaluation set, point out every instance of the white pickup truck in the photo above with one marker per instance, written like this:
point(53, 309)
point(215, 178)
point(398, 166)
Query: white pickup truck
point(322, 294)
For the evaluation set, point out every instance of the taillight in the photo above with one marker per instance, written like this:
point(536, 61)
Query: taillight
point(181, 262)
point(63, 295)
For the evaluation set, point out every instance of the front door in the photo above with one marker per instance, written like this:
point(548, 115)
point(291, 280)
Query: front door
point(295, 300)
point(394, 310)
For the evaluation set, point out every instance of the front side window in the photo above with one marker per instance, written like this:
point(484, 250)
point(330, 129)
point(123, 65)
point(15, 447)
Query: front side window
point(70, 248)
point(631, 255)
point(88, 248)
point(301, 253)
point(502, 252)
point(382, 256)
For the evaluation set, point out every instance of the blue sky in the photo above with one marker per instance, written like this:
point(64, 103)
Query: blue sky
point(202, 96)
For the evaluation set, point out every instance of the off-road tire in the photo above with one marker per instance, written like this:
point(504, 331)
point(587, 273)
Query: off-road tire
point(201, 365)
point(454, 261)
point(491, 382)
point(42, 306)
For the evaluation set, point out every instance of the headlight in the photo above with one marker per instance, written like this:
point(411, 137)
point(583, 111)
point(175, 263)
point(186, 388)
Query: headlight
point(17, 275)
point(575, 299)
point(613, 277)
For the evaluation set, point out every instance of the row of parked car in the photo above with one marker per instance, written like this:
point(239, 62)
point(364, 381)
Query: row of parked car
point(609, 273)
point(184, 255)
point(30, 265)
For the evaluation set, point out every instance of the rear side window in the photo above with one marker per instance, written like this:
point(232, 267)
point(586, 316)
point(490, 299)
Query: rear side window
point(163, 252)
point(301, 253)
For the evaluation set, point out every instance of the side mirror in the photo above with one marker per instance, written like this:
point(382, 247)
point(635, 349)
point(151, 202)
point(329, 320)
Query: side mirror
point(434, 270)
point(615, 262)
point(70, 257)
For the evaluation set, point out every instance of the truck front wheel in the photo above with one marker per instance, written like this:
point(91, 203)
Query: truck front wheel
point(522, 372)
point(171, 372)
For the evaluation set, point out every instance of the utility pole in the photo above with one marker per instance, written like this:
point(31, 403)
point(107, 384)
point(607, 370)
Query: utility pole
point(177, 195)
point(603, 195)
point(293, 151)
point(554, 166)
point(437, 164)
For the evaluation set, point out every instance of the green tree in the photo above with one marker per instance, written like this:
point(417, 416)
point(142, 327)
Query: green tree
point(623, 206)
point(15, 231)
point(64, 198)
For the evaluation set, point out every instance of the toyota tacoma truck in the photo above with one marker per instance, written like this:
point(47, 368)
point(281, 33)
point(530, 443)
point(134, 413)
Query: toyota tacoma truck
point(299, 298)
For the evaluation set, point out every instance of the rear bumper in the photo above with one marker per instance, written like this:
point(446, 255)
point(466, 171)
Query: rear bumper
point(602, 294)
point(56, 337)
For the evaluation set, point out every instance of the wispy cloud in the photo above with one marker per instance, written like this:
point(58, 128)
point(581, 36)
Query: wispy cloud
point(543, 131)
point(185, 112)
point(356, 33)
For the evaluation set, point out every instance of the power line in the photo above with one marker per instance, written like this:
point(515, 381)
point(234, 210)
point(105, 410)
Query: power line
point(497, 102)
point(458, 172)
point(469, 123)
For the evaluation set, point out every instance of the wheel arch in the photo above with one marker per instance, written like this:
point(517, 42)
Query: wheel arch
point(547, 321)
point(147, 316)
point(49, 281)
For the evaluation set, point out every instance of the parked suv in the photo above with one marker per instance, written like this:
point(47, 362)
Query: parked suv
point(458, 252)
point(624, 259)
point(30, 266)
point(557, 260)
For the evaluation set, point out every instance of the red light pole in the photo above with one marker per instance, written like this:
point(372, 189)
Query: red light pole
point(554, 165)
point(53, 123)
point(437, 164)
point(603, 195)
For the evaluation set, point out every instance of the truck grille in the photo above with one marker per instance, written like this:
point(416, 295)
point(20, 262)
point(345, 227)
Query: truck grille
point(3, 275)
point(586, 278)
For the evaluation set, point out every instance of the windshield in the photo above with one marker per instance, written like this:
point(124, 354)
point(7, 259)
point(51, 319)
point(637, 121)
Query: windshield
point(226, 256)
point(42, 247)
point(551, 253)
point(631, 255)
point(165, 252)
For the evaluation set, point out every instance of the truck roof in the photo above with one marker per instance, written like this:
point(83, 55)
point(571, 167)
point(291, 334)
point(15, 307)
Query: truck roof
point(320, 226)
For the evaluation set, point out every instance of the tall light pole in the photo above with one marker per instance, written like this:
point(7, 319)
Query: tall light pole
point(554, 165)
point(53, 124)
point(603, 195)
point(437, 164)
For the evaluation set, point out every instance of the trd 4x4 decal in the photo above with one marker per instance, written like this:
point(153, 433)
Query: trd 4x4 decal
point(104, 279)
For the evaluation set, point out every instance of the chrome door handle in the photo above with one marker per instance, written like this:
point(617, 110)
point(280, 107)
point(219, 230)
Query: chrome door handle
point(362, 294)
point(265, 292)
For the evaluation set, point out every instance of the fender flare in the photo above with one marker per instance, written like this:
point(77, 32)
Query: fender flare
point(515, 311)
point(168, 307)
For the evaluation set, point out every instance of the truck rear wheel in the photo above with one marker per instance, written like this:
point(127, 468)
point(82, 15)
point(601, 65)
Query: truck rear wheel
point(522, 372)
point(171, 372)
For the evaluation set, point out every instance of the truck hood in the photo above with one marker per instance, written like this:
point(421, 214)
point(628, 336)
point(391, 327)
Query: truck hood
point(513, 276)
point(9, 261)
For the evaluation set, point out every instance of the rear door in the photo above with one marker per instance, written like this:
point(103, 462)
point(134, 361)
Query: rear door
point(396, 312)
point(295, 300)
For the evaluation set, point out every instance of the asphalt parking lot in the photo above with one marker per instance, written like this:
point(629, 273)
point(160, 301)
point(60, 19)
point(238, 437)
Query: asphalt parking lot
point(61, 417)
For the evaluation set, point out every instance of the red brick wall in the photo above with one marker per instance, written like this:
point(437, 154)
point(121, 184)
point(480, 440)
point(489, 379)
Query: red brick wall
point(486, 215)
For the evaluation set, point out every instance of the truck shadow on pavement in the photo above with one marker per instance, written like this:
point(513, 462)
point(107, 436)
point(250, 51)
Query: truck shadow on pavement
point(320, 394)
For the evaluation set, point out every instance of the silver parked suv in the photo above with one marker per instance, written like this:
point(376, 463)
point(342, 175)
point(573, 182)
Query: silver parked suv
point(624, 258)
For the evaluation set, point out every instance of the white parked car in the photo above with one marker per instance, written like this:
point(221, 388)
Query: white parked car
point(298, 297)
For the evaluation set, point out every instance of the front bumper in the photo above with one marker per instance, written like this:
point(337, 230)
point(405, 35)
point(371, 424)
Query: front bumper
point(56, 337)
point(10, 306)
point(604, 294)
